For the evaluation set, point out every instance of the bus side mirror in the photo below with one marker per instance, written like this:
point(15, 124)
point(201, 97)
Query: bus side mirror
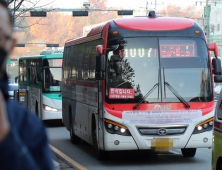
point(100, 67)
point(216, 64)
point(213, 47)
point(99, 49)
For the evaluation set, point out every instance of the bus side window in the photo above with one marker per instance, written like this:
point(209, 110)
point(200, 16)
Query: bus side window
point(72, 55)
point(34, 72)
point(66, 65)
point(22, 71)
point(80, 61)
point(93, 53)
point(86, 61)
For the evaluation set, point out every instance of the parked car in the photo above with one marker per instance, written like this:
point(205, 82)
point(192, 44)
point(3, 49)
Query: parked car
point(217, 91)
point(11, 88)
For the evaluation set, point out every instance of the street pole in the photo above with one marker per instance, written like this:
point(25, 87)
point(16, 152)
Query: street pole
point(146, 8)
point(208, 28)
point(155, 5)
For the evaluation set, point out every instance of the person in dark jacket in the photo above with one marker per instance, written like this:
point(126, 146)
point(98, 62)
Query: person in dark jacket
point(23, 139)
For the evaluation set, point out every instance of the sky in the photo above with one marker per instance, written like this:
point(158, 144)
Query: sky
point(126, 4)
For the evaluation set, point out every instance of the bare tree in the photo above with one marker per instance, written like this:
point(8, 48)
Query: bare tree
point(27, 5)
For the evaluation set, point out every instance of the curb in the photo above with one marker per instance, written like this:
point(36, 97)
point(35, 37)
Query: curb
point(56, 165)
point(67, 159)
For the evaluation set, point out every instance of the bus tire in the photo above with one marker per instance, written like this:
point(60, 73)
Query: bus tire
point(100, 154)
point(189, 152)
point(219, 164)
point(74, 139)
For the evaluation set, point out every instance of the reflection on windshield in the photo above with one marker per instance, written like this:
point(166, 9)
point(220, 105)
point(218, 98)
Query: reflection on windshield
point(135, 65)
point(52, 79)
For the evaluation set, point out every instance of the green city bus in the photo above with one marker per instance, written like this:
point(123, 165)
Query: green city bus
point(41, 77)
point(217, 136)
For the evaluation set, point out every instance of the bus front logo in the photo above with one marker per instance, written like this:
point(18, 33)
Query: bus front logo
point(157, 107)
point(162, 131)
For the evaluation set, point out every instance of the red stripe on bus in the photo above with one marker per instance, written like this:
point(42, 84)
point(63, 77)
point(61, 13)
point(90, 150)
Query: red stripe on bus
point(116, 109)
point(115, 113)
point(205, 111)
point(217, 130)
point(174, 106)
point(217, 124)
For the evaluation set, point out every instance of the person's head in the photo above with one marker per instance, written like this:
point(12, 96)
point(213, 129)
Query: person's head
point(7, 42)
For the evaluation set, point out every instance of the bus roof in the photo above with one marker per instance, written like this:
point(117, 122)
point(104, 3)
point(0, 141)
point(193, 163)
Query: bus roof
point(51, 56)
point(139, 24)
point(154, 24)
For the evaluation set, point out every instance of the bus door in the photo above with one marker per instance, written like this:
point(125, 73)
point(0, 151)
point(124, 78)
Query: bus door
point(28, 87)
point(217, 135)
point(100, 111)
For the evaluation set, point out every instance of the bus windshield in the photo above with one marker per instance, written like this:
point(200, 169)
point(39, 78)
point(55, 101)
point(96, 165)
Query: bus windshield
point(141, 63)
point(52, 79)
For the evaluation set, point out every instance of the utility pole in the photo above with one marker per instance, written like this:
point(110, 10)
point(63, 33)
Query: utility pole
point(147, 3)
point(155, 5)
point(208, 27)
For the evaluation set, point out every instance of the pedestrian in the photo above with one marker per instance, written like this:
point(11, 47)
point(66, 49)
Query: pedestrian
point(23, 139)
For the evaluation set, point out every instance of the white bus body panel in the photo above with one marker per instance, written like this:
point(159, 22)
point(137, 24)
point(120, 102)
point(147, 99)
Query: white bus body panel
point(57, 104)
point(125, 142)
point(186, 140)
point(196, 140)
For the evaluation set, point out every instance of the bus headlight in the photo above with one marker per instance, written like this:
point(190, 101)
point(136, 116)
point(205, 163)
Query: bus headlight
point(122, 130)
point(116, 128)
point(211, 123)
point(199, 128)
point(204, 126)
point(48, 108)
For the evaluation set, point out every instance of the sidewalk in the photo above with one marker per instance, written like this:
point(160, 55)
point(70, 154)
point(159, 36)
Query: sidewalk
point(63, 165)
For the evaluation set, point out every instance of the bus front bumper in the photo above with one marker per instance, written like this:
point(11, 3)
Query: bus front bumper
point(49, 115)
point(138, 141)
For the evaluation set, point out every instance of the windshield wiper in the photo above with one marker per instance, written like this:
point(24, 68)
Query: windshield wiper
point(151, 90)
point(173, 91)
point(177, 95)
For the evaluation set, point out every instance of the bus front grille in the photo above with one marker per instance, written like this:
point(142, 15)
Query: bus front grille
point(162, 131)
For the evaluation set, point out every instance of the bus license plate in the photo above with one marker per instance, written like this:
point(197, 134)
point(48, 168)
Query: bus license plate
point(162, 144)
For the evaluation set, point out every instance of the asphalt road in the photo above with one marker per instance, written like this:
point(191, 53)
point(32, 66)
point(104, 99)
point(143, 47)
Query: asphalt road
point(84, 155)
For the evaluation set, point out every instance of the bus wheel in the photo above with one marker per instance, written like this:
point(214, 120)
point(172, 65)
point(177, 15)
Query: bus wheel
point(74, 139)
point(189, 152)
point(219, 164)
point(100, 154)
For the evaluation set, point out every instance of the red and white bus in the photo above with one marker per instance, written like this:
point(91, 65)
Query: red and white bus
point(140, 83)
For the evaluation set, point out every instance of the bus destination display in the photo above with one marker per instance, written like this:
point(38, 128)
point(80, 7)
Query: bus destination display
point(178, 50)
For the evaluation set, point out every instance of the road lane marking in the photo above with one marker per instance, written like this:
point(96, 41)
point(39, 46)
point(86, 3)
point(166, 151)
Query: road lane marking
point(174, 152)
point(68, 159)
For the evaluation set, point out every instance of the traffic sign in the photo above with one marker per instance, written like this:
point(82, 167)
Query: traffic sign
point(52, 45)
point(125, 12)
point(208, 12)
point(38, 14)
point(79, 13)
point(20, 45)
